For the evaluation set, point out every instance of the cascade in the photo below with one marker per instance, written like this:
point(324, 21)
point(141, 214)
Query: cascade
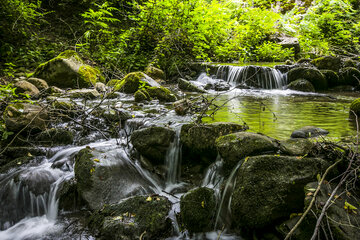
point(252, 76)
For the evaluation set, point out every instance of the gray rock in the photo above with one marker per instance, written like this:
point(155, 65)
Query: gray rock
point(296, 146)
point(327, 63)
point(301, 85)
point(26, 88)
point(187, 86)
point(39, 83)
point(308, 132)
point(84, 93)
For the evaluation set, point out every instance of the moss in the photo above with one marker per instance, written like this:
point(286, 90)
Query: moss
point(70, 54)
point(90, 74)
point(314, 76)
point(155, 73)
point(331, 77)
point(161, 93)
point(327, 62)
point(83, 169)
point(355, 107)
point(61, 105)
point(197, 209)
point(301, 85)
point(130, 83)
point(113, 82)
point(142, 95)
point(55, 136)
point(349, 76)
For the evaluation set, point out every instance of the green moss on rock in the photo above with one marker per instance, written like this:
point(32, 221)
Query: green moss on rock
point(197, 209)
point(328, 63)
point(349, 76)
point(314, 76)
point(113, 82)
point(301, 85)
point(155, 73)
point(142, 95)
point(355, 107)
point(331, 77)
point(161, 93)
point(84, 167)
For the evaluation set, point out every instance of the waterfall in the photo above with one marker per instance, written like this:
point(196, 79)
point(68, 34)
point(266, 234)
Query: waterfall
point(252, 76)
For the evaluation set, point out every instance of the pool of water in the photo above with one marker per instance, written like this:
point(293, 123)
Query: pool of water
point(277, 113)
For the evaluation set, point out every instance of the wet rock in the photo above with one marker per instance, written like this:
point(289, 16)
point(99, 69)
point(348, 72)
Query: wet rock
point(69, 198)
point(54, 91)
point(349, 76)
point(221, 86)
point(106, 175)
point(304, 60)
point(291, 43)
point(284, 68)
point(234, 147)
point(160, 93)
point(308, 132)
point(296, 146)
point(39, 83)
point(187, 86)
point(314, 76)
point(113, 115)
point(155, 73)
point(270, 188)
point(26, 88)
point(343, 88)
point(68, 71)
point(133, 81)
point(24, 115)
point(350, 63)
point(22, 151)
point(331, 77)
point(55, 136)
point(301, 85)
point(100, 87)
point(327, 63)
point(182, 106)
point(139, 217)
point(342, 221)
point(197, 210)
point(84, 93)
point(198, 141)
point(113, 82)
point(153, 142)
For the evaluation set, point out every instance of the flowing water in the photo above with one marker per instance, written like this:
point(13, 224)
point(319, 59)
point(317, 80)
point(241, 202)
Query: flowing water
point(29, 194)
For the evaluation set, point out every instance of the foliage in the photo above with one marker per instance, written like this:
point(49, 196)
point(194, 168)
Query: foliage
point(272, 52)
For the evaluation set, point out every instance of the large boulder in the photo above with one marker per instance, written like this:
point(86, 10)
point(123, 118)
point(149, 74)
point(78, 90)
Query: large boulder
point(234, 147)
point(331, 77)
point(153, 142)
point(301, 85)
point(313, 75)
point(18, 116)
point(308, 132)
point(290, 43)
point(341, 217)
point(270, 187)
point(160, 93)
point(26, 88)
point(198, 141)
point(349, 76)
point(327, 63)
point(197, 209)
point(296, 146)
point(106, 175)
point(138, 217)
point(133, 81)
point(68, 71)
point(187, 86)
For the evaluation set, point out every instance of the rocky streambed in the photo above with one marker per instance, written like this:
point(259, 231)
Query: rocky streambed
point(209, 158)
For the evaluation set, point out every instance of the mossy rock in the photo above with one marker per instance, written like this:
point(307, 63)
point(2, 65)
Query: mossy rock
point(155, 73)
point(198, 141)
point(331, 77)
point(269, 188)
point(296, 146)
point(139, 217)
point(27, 88)
point(182, 106)
point(18, 116)
point(68, 71)
point(301, 85)
point(112, 115)
point(187, 86)
point(314, 76)
point(161, 93)
point(350, 63)
point(234, 147)
point(355, 107)
point(197, 210)
point(349, 76)
point(327, 63)
point(84, 93)
point(113, 82)
point(83, 169)
point(142, 95)
point(153, 142)
point(55, 136)
point(39, 83)
point(308, 132)
point(69, 197)
point(133, 81)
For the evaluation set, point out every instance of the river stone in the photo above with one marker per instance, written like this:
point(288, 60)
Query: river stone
point(270, 187)
point(69, 197)
point(327, 63)
point(313, 75)
point(301, 85)
point(197, 209)
point(355, 107)
point(187, 86)
point(296, 146)
point(350, 63)
point(105, 175)
point(26, 88)
point(100, 87)
point(39, 83)
point(20, 115)
point(133, 81)
point(160, 93)
point(155, 73)
point(308, 132)
point(234, 147)
point(331, 77)
point(68, 71)
point(349, 76)
point(139, 217)
point(182, 106)
point(153, 142)
point(84, 93)
point(198, 141)
point(55, 136)
point(343, 223)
